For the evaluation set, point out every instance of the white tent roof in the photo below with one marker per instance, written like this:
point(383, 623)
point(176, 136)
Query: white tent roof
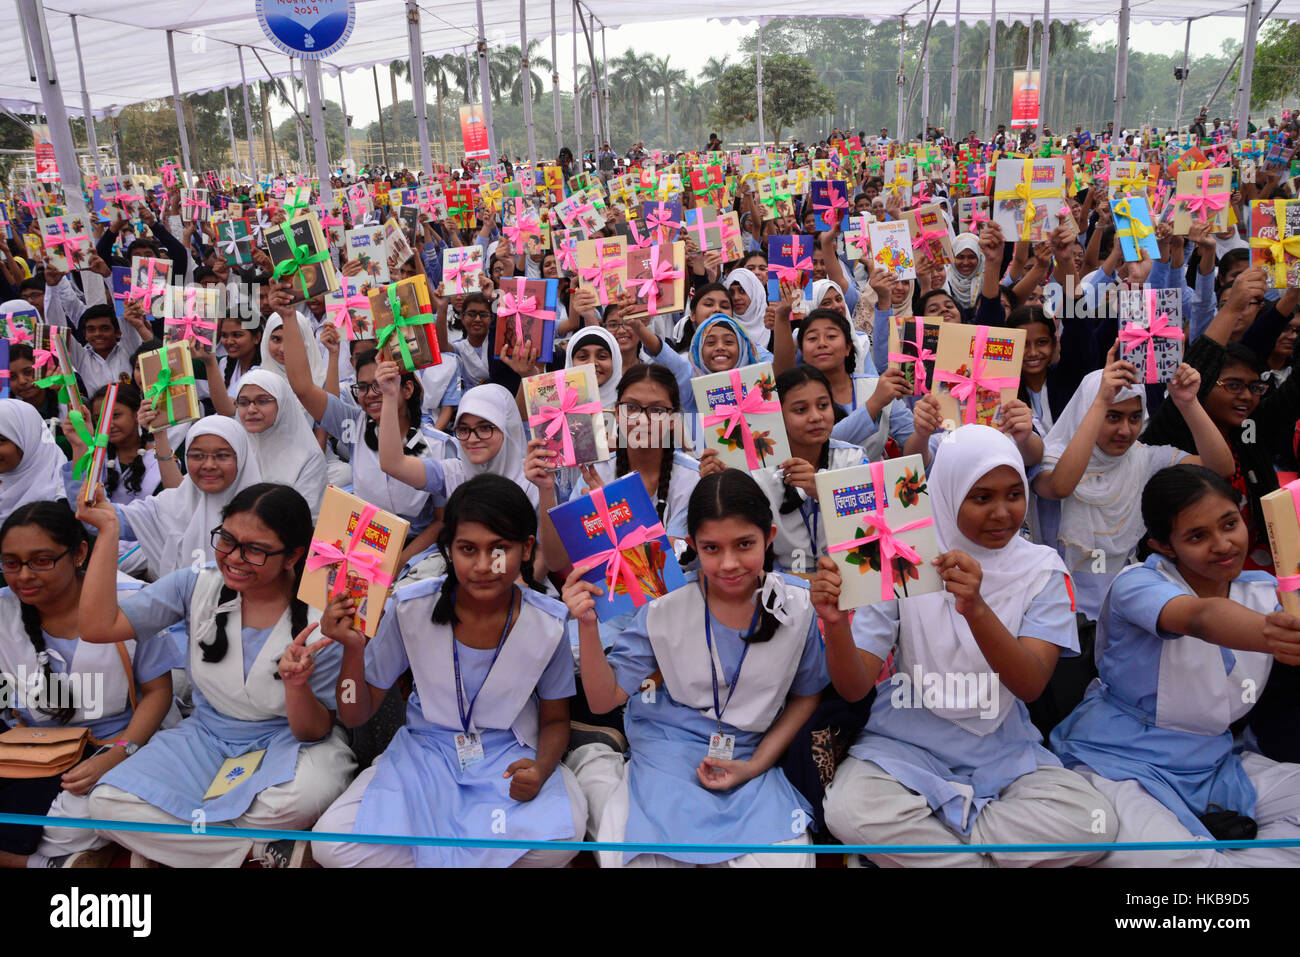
point(124, 45)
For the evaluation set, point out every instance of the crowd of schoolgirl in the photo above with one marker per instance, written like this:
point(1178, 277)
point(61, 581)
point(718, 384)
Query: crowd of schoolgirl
point(1103, 554)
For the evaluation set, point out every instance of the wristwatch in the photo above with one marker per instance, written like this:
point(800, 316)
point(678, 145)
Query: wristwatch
point(130, 747)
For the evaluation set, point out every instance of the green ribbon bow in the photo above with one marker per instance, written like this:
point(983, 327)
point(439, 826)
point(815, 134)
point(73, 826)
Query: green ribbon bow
point(92, 441)
point(163, 388)
point(302, 256)
point(454, 211)
point(66, 382)
point(400, 322)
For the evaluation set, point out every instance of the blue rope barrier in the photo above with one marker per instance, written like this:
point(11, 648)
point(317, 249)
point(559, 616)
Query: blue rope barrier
point(265, 834)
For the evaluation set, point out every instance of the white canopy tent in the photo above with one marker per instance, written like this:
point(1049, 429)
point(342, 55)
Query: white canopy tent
point(137, 52)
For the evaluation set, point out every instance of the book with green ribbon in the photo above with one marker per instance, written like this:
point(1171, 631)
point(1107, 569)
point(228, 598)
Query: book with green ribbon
point(301, 254)
point(405, 331)
point(167, 376)
point(90, 466)
point(64, 378)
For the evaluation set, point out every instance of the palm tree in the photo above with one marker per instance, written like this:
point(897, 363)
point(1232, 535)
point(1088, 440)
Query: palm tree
point(631, 75)
point(666, 80)
point(395, 69)
point(379, 105)
point(534, 60)
point(712, 72)
point(693, 100)
point(437, 69)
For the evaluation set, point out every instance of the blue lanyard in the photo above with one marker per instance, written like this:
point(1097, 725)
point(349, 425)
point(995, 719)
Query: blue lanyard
point(713, 671)
point(455, 661)
point(811, 529)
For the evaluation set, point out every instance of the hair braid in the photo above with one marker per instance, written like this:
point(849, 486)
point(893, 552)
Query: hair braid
point(216, 651)
point(32, 624)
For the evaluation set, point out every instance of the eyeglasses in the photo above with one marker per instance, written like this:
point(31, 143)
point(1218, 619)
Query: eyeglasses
point(632, 409)
point(42, 563)
point(482, 431)
point(619, 324)
point(1237, 387)
point(262, 402)
point(364, 388)
point(195, 457)
point(478, 314)
point(223, 543)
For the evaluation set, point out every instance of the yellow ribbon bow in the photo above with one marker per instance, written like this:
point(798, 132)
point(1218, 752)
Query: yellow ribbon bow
point(1023, 190)
point(1137, 229)
point(1279, 249)
point(898, 184)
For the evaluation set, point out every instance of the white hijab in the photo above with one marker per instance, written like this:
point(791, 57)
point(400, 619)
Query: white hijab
point(752, 318)
point(39, 475)
point(1105, 511)
point(174, 526)
point(964, 289)
point(314, 359)
point(937, 637)
point(495, 404)
point(287, 451)
point(608, 389)
point(820, 290)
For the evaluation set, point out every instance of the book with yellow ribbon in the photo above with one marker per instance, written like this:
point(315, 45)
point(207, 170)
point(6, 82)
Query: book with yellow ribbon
point(1133, 228)
point(1028, 197)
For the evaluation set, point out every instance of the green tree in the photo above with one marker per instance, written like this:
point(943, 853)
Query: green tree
point(1276, 57)
point(631, 77)
point(791, 92)
point(667, 81)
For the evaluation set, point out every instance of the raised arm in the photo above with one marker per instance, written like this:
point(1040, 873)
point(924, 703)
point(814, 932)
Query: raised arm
point(296, 367)
point(392, 457)
point(100, 619)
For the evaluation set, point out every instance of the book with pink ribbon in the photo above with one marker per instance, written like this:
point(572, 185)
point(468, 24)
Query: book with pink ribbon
point(564, 411)
point(617, 538)
point(789, 259)
point(1202, 196)
point(740, 417)
point(657, 276)
point(602, 266)
point(462, 269)
point(1281, 510)
point(972, 213)
point(830, 202)
point(880, 530)
point(931, 238)
point(1152, 332)
point(149, 279)
point(580, 210)
point(976, 371)
point(67, 241)
point(192, 314)
point(891, 248)
point(356, 549)
point(663, 219)
point(526, 313)
point(913, 345)
point(857, 236)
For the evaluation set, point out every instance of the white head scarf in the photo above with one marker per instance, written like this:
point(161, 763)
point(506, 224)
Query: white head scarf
point(314, 359)
point(287, 451)
point(495, 404)
point(1105, 511)
point(964, 289)
point(821, 288)
point(609, 388)
point(174, 526)
point(752, 318)
point(38, 476)
point(937, 637)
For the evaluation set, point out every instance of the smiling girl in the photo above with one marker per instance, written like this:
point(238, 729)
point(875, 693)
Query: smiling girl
point(30, 462)
point(281, 439)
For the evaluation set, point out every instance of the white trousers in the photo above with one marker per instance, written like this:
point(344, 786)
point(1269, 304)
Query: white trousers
point(342, 817)
point(866, 805)
point(321, 775)
point(58, 841)
point(602, 772)
point(1143, 818)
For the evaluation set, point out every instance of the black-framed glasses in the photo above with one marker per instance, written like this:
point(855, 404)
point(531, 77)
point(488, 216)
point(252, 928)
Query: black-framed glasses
point(477, 314)
point(483, 431)
point(262, 402)
point(631, 409)
point(223, 543)
point(360, 389)
point(1236, 387)
point(41, 563)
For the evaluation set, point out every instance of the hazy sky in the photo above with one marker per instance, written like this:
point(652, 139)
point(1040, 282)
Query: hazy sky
point(692, 42)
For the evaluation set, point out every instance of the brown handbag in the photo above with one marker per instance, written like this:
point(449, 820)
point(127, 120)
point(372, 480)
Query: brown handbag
point(43, 752)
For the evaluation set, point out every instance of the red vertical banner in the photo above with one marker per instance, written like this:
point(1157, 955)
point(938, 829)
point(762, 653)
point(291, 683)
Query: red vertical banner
point(1024, 99)
point(47, 168)
point(473, 132)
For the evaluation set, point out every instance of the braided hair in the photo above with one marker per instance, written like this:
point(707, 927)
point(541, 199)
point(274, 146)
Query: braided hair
point(734, 494)
point(499, 504)
point(285, 512)
point(414, 410)
point(786, 382)
point(58, 522)
point(660, 376)
point(133, 475)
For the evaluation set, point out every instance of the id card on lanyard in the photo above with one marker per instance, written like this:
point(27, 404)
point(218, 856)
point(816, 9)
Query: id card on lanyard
point(722, 745)
point(811, 528)
point(469, 746)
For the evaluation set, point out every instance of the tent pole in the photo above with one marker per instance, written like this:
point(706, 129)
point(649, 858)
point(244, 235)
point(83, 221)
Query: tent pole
point(1121, 69)
point(526, 82)
point(1246, 75)
point(65, 153)
point(1043, 53)
point(925, 72)
point(762, 136)
point(956, 55)
point(311, 74)
point(899, 133)
point(604, 67)
point(417, 84)
point(180, 113)
point(230, 126)
point(248, 115)
point(485, 90)
point(989, 98)
point(555, 86)
point(577, 100)
point(91, 139)
point(1182, 83)
point(347, 124)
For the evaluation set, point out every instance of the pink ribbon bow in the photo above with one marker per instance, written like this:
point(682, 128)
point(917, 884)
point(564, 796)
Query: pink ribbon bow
point(168, 171)
point(16, 334)
point(524, 226)
point(977, 216)
point(191, 322)
point(195, 204)
point(329, 219)
point(660, 221)
point(616, 566)
point(1200, 203)
point(834, 201)
point(556, 417)
point(1134, 335)
point(891, 545)
point(70, 243)
point(150, 289)
point(596, 273)
point(923, 355)
point(519, 304)
point(1291, 582)
point(736, 413)
point(638, 241)
point(793, 272)
point(925, 239)
point(580, 211)
point(363, 564)
point(964, 388)
point(458, 270)
point(564, 255)
point(340, 310)
point(660, 271)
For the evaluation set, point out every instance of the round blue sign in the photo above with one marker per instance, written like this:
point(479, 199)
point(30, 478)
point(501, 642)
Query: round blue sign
point(307, 30)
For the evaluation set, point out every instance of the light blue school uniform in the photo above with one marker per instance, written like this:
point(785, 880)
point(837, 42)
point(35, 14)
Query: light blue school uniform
point(1195, 311)
point(668, 739)
point(1160, 710)
point(800, 539)
point(859, 428)
point(957, 771)
point(177, 767)
point(419, 787)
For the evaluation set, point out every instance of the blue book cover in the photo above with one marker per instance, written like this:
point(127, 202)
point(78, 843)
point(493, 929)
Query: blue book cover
point(788, 252)
point(822, 192)
point(663, 219)
point(1128, 227)
point(540, 330)
point(583, 534)
point(121, 285)
point(4, 364)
